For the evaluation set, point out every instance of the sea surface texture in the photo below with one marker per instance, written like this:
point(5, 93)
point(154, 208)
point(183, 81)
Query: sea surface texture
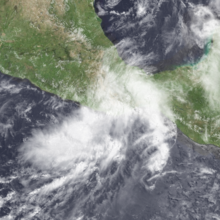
point(60, 160)
point(158, 35)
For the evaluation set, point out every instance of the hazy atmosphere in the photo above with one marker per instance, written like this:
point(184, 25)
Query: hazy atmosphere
point(109, 109)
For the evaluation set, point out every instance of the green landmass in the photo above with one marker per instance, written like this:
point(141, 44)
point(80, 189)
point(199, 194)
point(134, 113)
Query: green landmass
point(60, 47)
point(58, 51)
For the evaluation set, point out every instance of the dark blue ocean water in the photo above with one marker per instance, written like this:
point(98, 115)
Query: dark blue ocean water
point(62, 161)
point(187, 187)
point(158, 35)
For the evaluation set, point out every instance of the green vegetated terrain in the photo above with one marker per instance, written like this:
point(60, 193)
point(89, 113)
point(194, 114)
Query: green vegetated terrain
point(58, 50)
point(194, 102)
point(188, 102)
point(59, 46)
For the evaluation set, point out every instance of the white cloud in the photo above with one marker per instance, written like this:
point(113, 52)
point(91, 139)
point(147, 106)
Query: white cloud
point(204, 24)
point(112, 3)
point(208, 73)
point(90, 142)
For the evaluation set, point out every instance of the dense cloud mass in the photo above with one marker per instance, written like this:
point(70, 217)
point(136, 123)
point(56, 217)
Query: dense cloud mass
point(157, 34)
point(62, 161)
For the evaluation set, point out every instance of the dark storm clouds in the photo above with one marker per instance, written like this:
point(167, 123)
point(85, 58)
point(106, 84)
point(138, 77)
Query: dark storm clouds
point(157, 35)
point(185, 187)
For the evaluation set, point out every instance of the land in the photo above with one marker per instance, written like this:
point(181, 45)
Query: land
point(60, 46)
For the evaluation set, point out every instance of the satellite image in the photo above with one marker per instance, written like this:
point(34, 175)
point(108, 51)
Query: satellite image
point(110, 110)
